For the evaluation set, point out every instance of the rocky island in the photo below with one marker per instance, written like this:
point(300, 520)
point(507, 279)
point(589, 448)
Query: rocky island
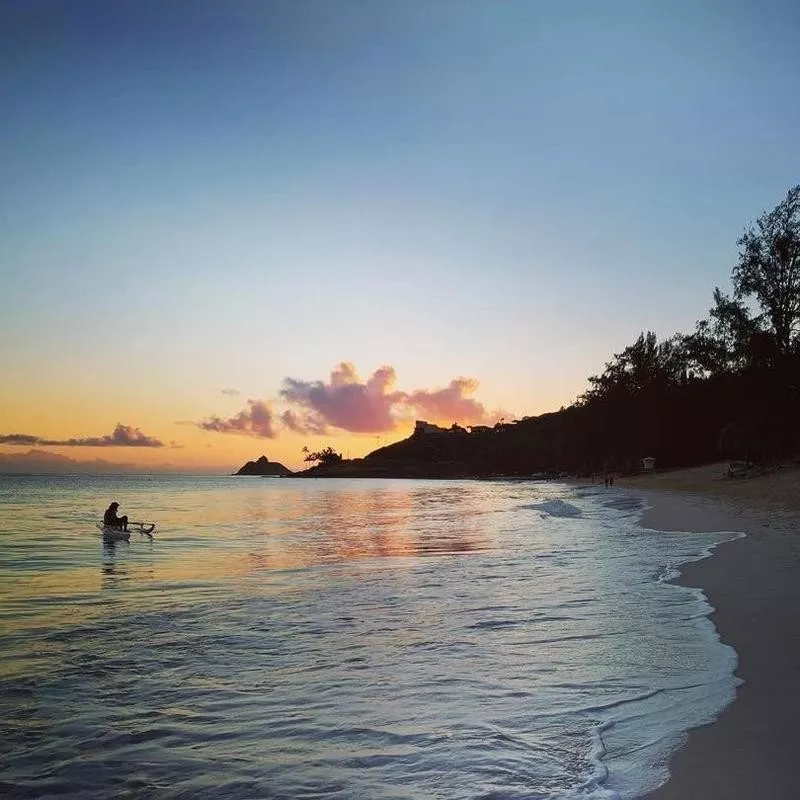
point(263, 466)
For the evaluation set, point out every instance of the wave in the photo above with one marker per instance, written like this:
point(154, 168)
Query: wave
point(556, 508)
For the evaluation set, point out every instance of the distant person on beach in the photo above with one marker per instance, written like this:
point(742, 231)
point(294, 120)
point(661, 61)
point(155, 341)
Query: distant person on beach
point(111, 519)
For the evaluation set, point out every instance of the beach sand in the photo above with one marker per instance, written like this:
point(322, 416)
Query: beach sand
point(753, 749)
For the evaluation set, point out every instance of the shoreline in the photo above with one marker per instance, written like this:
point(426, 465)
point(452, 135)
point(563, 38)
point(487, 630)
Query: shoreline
point(753, 585)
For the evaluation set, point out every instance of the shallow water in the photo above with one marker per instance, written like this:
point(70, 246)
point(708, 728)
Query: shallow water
point(356, 639)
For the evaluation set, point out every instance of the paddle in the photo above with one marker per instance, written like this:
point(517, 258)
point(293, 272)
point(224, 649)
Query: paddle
point(146, 528)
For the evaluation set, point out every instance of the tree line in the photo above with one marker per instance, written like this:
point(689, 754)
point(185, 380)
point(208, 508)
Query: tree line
point(729, 389)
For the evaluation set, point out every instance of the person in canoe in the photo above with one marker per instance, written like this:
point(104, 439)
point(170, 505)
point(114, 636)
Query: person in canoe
point(111, 519)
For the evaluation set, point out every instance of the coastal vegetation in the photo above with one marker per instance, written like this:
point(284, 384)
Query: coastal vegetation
point(730, 388)
point(326, 458)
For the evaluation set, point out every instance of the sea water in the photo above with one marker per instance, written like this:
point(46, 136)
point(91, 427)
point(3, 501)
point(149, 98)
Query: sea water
point(290, 638)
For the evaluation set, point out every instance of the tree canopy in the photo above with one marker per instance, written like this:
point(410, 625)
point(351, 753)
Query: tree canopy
point(326, 457)
point(645, 365)
point(721, 343)
point(768, 270)
point(730, 388)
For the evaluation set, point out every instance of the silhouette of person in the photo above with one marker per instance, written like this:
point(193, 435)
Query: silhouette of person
point(611, 481)
point(110, 518)
point(605, 482)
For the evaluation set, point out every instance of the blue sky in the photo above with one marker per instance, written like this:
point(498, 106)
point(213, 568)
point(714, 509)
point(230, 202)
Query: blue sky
point(508, 191)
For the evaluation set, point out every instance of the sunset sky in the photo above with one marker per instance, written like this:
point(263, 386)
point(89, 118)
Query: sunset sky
point(239, 228)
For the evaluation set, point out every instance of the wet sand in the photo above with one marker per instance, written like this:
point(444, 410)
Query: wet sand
point(751, 751)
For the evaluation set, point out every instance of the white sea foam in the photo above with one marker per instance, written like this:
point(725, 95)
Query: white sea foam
point(557, 507)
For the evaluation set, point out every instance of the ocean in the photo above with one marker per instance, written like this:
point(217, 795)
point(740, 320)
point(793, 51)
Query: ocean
point(298, 638)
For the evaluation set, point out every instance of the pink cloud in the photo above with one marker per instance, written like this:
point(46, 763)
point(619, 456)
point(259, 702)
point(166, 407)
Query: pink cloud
point(452, 404)
point(304, 423)
point(348, 403)
point(121, 436)
point(255, 420)
point(345, 402)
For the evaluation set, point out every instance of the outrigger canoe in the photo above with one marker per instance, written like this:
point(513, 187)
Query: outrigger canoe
point(117, 534)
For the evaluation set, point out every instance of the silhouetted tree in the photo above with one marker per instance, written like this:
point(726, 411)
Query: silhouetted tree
point(721, 343)
point(769, 269)
point(644, 365)
point(732, 386)
point(326, 457)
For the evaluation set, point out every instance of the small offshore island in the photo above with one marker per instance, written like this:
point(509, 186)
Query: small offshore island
point(264, 467)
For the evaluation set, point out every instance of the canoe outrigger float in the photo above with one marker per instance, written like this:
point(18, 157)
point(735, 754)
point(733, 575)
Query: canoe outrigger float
point(115, 533)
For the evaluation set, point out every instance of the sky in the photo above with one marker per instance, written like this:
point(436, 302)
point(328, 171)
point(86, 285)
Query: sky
point(238, 228)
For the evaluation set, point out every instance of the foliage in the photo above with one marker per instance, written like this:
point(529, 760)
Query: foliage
point(769, 270)
point(730, 388)
point(326, 457)
point(645, 365)
point(721, 343)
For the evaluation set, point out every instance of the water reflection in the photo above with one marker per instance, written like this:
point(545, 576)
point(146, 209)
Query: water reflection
point(219, 533)
point(112, 573)
point(332, 525)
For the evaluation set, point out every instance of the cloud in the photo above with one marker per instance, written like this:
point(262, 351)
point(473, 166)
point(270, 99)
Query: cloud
point(18, 438)
point(255, 420)
point(373, 406)
point(452, 404)
point(345, 402)
point(122, 436)
point(304, 423)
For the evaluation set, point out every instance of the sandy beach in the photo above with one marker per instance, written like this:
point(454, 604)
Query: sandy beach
point(754, 585)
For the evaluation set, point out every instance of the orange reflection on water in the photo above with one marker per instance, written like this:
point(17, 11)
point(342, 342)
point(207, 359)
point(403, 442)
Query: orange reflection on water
point(251, 536)
point(334, 525)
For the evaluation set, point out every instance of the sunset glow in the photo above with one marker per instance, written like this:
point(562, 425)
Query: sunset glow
point(245, 229)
